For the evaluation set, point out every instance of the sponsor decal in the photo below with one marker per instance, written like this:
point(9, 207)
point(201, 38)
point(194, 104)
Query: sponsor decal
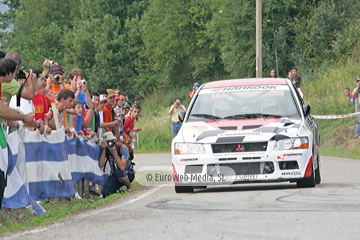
point(188, 159)
point(239, 134)
point(242, 177)
point(293, 154)
point(216, 89)
point(290, 173)
point(282, 157)
point(200, 128)
point(242, 88)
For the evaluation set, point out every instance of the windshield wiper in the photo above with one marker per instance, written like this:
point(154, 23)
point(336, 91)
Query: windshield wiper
point(208, 116)
point(251, 115)
point(272, 115)
point(244, 116)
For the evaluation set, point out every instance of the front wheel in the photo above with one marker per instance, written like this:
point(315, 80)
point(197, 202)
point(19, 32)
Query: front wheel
point(307, 182)
point(317, 172)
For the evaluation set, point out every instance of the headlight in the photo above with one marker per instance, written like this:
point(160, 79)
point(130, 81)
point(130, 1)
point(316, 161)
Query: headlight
point(292, 143)
point(189, 148)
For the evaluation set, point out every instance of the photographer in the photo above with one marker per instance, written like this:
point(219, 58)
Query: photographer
point(174, 112)
point(12, 88)
point(7, 72)
point(356, 94)
point(116, 155)
point(195, 88)
point(56, 80)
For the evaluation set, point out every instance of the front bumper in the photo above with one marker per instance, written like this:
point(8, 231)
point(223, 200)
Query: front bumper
point(242, 167)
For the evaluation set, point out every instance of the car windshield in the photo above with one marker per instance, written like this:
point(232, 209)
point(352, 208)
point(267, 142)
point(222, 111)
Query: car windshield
point(243, 102)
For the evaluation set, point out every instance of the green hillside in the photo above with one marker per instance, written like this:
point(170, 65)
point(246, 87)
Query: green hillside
point(155, 50)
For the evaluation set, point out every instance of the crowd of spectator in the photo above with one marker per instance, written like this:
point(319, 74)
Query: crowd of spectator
point(47, 99)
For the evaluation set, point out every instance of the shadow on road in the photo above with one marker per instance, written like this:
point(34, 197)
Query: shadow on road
point(247, 187)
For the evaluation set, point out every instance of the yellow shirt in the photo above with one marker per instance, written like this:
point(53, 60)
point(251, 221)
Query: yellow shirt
point(175, 112)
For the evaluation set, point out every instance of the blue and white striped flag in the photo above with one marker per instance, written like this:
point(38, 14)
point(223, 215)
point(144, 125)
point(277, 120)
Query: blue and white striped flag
point(48, 166)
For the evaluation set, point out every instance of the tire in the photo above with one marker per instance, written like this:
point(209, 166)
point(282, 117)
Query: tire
point(307, 182)
point(184, 189)
point(200, 187)
point(317, 171)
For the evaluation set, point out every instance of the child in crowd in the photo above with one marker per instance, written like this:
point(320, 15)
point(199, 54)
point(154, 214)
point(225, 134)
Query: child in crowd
point(77, 109)
point(120, 115)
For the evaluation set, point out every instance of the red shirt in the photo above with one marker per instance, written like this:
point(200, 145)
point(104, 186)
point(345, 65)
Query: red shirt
point(191, 93)
point(49, 100)
point(128, 125)
point(40, 105)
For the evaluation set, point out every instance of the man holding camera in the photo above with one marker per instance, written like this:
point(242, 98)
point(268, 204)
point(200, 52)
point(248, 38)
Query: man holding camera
point(12, 88)
point(174, 112)
point(56, 80)
point(115, 155)
point(195, 88)
point(356, 94)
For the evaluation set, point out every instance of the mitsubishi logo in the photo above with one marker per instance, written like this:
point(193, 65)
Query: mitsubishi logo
point(239, 148)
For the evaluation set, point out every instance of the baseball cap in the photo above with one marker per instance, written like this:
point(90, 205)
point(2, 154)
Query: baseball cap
point(108, 136)
point(102, 91)
point(196, 84)
point(56, 69)
point(110, 93)
point(102, 98)
point(116, 95)
point(126, 105)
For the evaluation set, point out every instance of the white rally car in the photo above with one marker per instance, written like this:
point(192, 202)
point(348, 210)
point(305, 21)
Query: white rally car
point(246, 130)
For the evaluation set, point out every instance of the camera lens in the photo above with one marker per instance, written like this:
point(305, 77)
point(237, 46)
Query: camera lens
point(57, 78)
point(110, 143)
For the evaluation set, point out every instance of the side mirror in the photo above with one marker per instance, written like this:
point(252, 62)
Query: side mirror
point(306, 109)
point(182, 115)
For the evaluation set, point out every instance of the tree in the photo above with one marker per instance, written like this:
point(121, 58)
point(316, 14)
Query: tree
point(177, 42)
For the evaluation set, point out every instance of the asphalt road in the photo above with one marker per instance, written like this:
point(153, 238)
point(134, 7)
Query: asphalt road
point(331, 210)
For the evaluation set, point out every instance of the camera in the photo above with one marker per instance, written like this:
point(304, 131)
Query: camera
point(358, 80)
point(57, 78)
point(196, 88)
point(110, 143)
point(177, 103)
point(21, 74)
point(83, 81)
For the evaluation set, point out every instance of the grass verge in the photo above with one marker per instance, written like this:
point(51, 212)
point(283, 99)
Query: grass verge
point(12, 220)
point(337, 138)
point(325, 94)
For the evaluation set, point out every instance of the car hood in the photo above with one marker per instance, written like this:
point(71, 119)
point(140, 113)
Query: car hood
point(242, 130)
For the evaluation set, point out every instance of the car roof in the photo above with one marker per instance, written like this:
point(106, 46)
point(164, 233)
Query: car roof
point(246, 82)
